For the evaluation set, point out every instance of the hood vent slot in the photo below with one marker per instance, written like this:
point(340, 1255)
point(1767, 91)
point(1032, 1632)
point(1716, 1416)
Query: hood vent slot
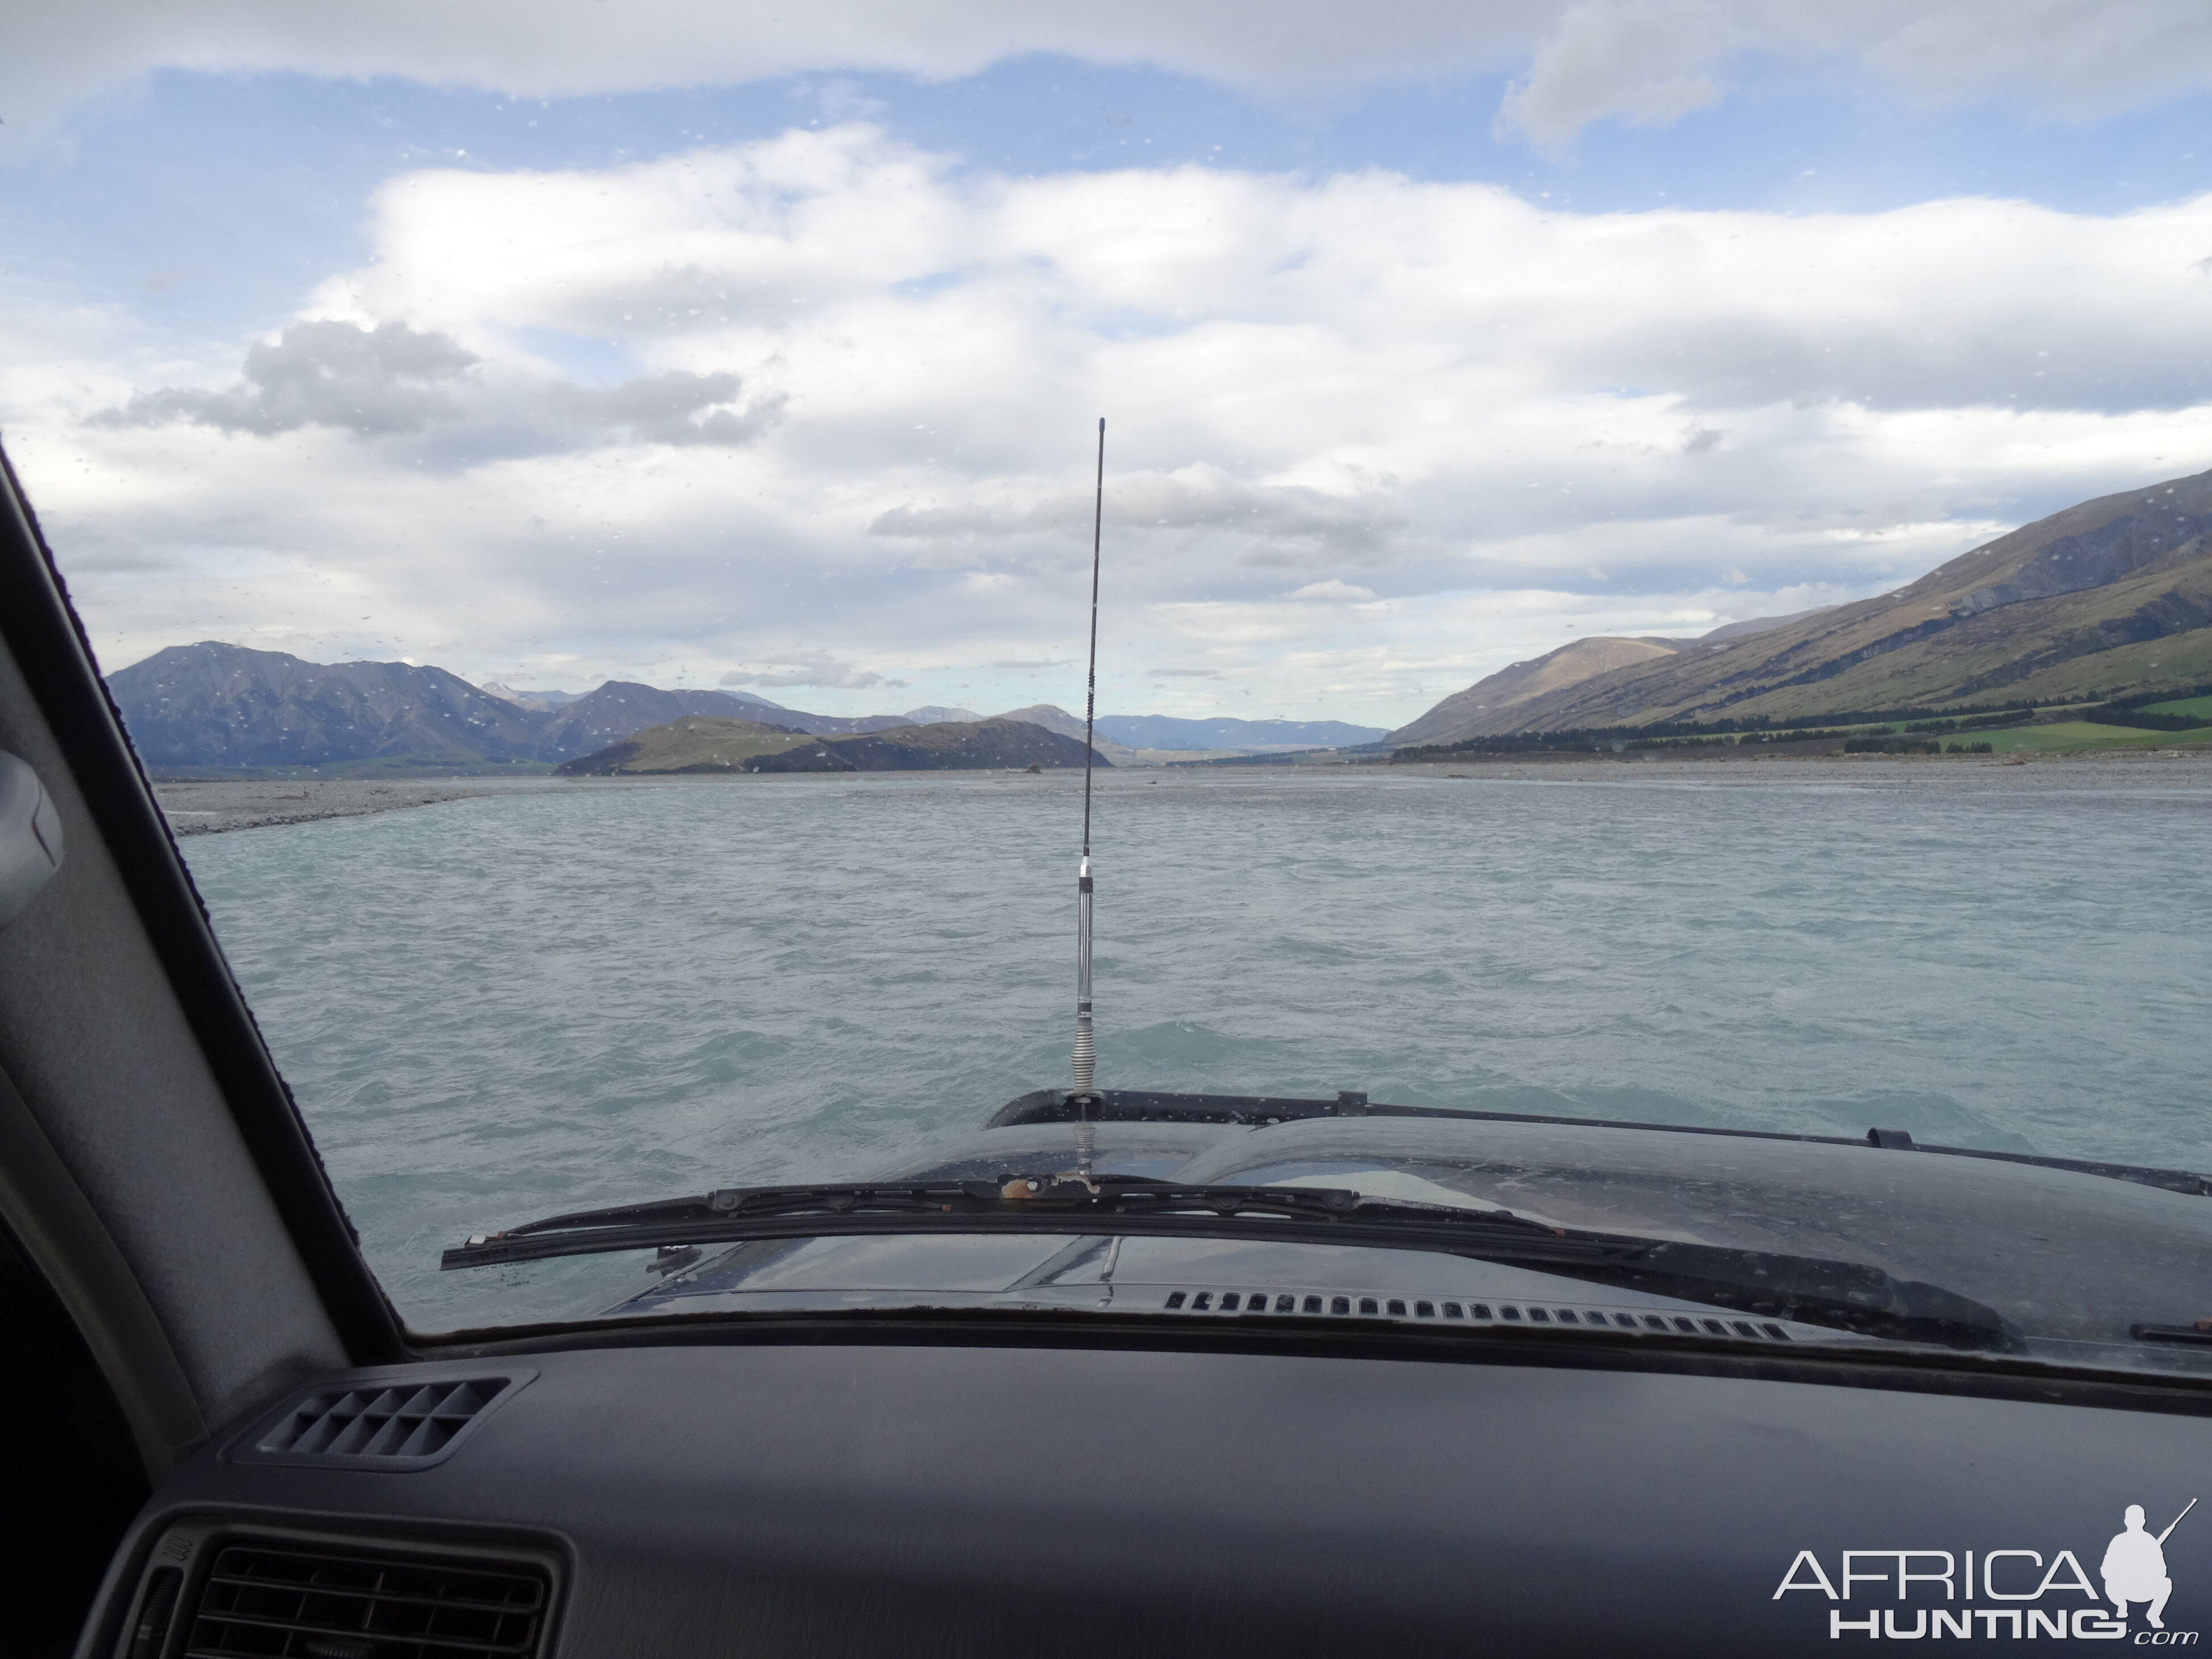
point(406, 1424)
point(1465, 1315)
point(261, 1600)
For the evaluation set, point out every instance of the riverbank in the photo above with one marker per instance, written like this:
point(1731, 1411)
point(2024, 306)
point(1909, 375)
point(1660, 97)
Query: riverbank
point(2103, 769)
point(203, 807)
point(199, 807)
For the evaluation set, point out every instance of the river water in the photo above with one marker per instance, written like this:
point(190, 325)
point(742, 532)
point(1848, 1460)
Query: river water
point(496, 1008)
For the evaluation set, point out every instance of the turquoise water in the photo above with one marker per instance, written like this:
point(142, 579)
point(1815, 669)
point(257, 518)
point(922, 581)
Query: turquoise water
point(499, 1007)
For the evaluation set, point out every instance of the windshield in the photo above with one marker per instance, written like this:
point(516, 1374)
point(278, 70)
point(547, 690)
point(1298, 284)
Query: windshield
point(1653, 648)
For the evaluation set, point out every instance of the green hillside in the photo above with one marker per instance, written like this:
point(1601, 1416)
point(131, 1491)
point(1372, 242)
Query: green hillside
point(706, 743)
point(698, 742)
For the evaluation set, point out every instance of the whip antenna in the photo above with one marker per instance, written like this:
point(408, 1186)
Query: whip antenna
point(1086, 1055)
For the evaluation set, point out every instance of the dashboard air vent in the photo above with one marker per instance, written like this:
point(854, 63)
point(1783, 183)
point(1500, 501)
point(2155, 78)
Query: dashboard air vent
point(260, 1600)
point(400, 1425)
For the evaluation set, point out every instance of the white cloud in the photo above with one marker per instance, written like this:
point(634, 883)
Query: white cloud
point(1577, 60)
point(370, 380)
point(58, 56)
point(1336, 376)
point(1645, 61)
point(676, 407)
point(1278, 524)
point(391, 379)
point(2082, 58)
point(1648, 62)
point(816, 668)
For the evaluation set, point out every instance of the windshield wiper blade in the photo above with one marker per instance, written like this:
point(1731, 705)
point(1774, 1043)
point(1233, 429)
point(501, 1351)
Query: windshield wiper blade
point(1844, 1295)
point(1115, 1204)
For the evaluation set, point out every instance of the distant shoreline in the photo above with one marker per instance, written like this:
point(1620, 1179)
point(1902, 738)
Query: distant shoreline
point(2089, 769)
point(200, 807)
point(1762, 759)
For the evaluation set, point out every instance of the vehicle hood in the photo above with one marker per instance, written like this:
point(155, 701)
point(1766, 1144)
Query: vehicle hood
point(2076, 1261)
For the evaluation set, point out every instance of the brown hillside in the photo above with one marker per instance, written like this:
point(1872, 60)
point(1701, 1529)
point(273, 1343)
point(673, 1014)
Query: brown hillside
point(2109, 596)
point(1491, 704)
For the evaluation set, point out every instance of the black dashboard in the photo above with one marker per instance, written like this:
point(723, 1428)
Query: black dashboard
point(717, 1498)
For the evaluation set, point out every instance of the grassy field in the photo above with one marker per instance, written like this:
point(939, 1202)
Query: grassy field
point(2201, 708)
point(2174, 659)
point(2068, 737)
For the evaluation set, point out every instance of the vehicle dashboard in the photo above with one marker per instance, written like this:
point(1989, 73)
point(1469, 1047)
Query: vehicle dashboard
point(815, 1489)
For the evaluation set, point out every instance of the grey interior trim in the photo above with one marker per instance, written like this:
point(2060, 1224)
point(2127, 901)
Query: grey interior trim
point(124, 1032)
point(58, 1230)
point(72, 732)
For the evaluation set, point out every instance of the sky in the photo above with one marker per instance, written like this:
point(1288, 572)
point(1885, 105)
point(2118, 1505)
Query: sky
point(715, 346)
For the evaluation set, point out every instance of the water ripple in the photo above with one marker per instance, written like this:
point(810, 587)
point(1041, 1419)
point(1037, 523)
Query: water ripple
point(503, 1007)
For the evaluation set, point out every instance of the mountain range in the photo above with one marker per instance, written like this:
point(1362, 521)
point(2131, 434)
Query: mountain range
point(2109, 598)
point(214, 706)
point(217, 705)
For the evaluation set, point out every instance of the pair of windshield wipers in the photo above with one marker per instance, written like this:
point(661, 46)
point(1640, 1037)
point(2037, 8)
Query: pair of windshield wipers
point(1840, 1295)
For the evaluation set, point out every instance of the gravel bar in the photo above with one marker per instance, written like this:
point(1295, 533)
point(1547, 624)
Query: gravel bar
point(207, 807)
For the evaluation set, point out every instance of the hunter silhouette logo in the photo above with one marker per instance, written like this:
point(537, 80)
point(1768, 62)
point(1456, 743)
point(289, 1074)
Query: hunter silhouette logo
point(2024, 1593)
point(2135, 1565)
